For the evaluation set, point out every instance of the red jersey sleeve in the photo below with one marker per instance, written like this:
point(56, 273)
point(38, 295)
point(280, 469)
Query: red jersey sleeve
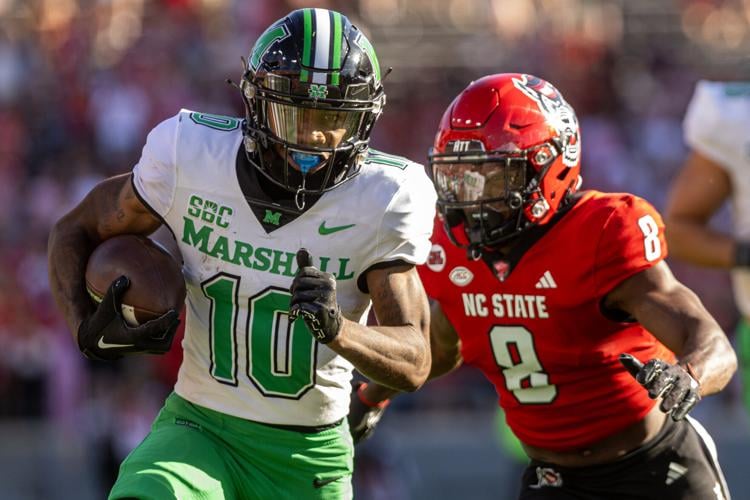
point(631, 240)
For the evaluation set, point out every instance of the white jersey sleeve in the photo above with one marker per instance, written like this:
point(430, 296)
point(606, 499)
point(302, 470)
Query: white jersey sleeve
point(155, 175)
point(716, 121)
point(716, 126)
point(404, 233)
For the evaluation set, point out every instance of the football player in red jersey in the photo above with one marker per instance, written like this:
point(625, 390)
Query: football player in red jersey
point(563, 299)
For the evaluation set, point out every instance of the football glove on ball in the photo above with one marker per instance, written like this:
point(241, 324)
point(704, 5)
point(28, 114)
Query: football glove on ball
point(105, 336)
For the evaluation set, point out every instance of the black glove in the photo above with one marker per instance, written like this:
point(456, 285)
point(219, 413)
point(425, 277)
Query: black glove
point(105, 336)
point(363, 415)
point(314, 298)
point(678, 388)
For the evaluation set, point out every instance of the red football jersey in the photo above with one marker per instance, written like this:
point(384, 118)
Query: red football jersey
point(535, 327)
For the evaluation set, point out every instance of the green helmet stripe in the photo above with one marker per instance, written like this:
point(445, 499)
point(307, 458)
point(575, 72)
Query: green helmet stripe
point(365, 44)
point(336, 62)
point(307, 44)
point(271, 35)
point(322, 46)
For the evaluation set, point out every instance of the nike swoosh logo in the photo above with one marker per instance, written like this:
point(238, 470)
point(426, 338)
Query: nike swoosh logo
point(330, 230)
point(105, 345)
point(319, 483)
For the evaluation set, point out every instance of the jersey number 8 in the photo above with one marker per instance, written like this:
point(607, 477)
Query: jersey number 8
point(651, 242)
point(513, 348)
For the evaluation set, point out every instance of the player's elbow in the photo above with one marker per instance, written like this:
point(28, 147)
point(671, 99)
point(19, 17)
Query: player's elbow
point(67, 228)
point(412, 382)
point(77, 224)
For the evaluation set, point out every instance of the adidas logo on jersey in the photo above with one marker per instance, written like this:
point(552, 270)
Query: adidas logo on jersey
point(675, 472)
point(546, 281)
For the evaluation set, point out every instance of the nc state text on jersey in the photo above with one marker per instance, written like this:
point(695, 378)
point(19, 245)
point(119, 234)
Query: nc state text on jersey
point(505, 305)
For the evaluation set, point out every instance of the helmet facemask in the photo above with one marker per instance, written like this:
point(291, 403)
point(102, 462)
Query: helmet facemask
point(491, 194)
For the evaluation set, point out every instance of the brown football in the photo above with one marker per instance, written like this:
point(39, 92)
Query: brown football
point(156, 281)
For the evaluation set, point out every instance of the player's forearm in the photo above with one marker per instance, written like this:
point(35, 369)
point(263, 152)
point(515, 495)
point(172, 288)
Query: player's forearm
point(68, 249)
point(695, 243)
point(710, 356)
point(442, 364)
point(394, 356)
point(680, 321)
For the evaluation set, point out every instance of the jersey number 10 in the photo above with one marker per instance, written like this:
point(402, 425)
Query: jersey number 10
point(281, 355)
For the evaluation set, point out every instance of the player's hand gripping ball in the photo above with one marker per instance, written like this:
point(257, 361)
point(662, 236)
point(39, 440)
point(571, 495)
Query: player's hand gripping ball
point(138, 288)
point(106, 336)
point(314, 299)
point(679, 390)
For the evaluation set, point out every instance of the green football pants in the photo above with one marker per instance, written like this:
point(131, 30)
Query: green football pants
point(195, 453)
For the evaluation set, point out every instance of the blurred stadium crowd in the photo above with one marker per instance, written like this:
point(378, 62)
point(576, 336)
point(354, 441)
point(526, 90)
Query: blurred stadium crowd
point(83, 81)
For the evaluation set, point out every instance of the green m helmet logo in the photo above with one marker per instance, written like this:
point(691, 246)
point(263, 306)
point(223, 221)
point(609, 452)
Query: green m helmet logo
point(317, 91)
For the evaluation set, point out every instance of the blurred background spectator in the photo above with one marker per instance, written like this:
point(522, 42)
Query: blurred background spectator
point(83, 81)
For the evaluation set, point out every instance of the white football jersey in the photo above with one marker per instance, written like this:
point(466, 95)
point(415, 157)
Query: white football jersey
point(242, 356)
point(717, 125)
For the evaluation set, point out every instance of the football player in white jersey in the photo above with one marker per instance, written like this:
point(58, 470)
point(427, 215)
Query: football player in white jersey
point(718, 169)
point(272, 331)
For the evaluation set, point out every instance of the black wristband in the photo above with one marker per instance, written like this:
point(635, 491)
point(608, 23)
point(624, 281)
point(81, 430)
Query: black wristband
point(742, 254)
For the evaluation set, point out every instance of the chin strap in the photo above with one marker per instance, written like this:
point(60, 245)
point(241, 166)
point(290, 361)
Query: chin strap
point(299, 196)
point(473, 252)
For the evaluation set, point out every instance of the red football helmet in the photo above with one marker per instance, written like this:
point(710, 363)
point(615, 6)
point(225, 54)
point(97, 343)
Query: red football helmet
point(506, 157)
